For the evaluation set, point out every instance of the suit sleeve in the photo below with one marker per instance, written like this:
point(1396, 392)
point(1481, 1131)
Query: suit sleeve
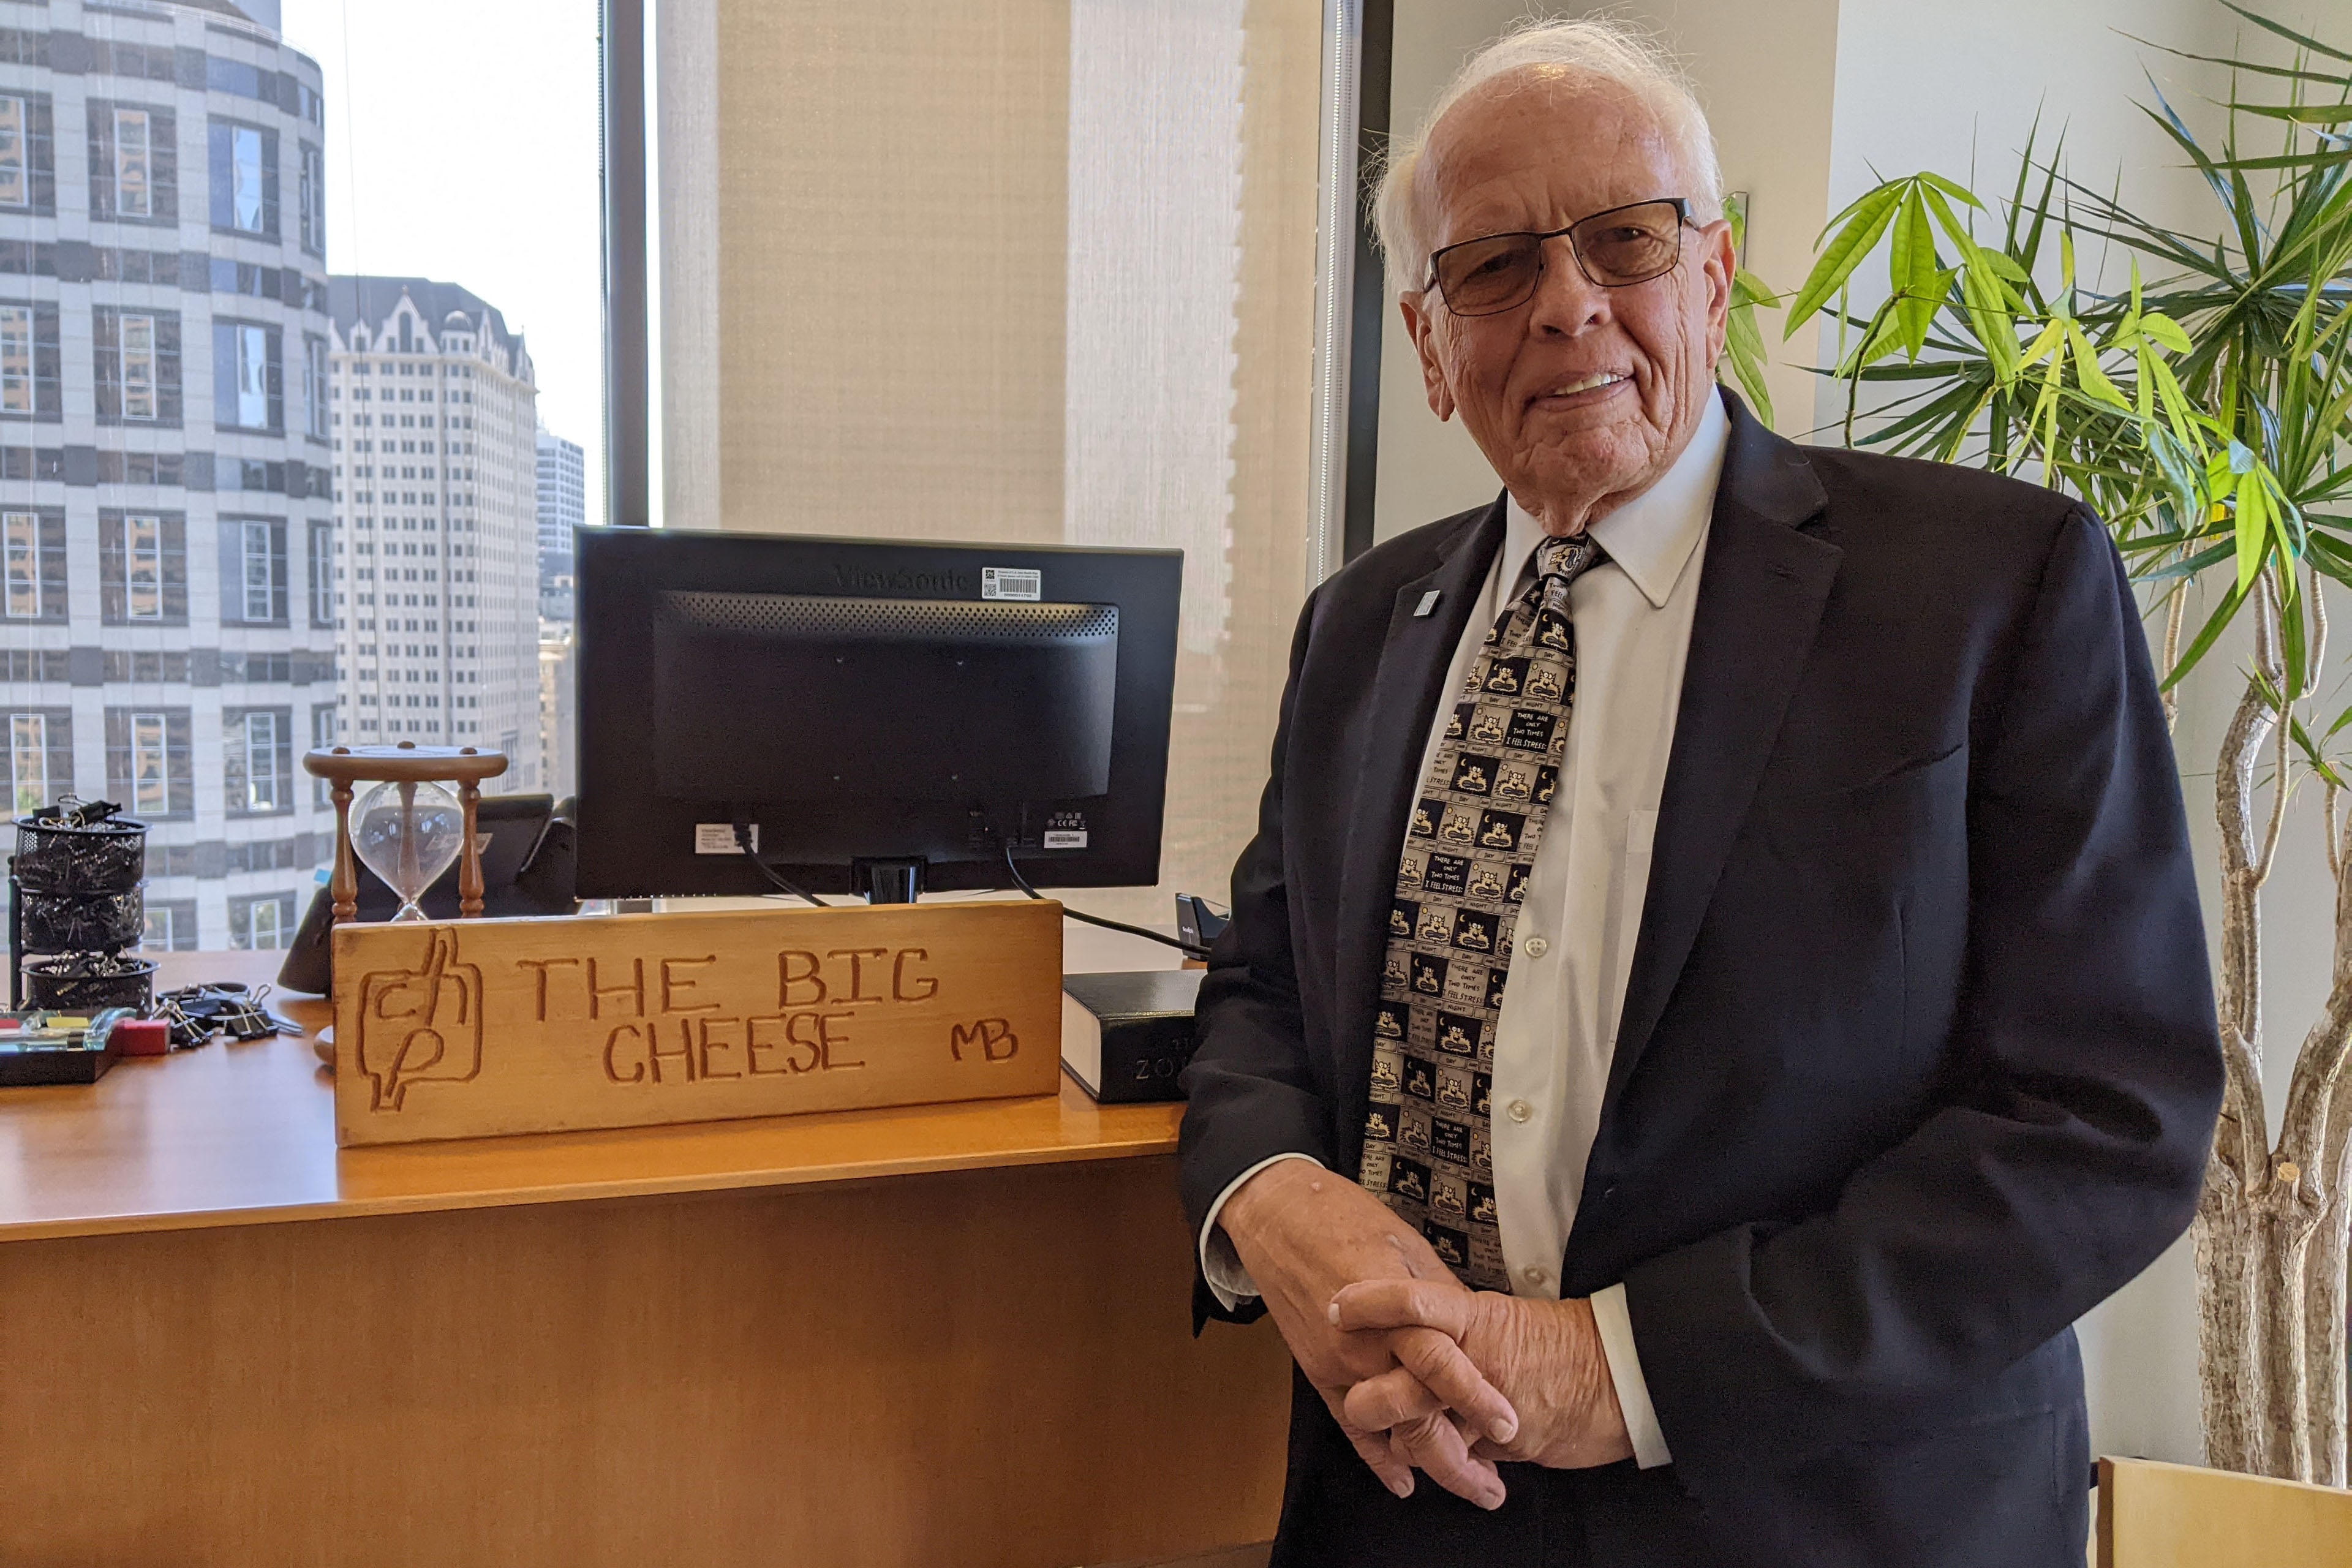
point(1251, 1092)
point(2070, 1146)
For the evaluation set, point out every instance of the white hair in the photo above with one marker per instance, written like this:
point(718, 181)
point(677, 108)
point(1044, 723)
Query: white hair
point(1590, 49)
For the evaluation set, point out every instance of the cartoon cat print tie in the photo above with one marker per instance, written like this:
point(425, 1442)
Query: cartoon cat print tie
point(1476, 826)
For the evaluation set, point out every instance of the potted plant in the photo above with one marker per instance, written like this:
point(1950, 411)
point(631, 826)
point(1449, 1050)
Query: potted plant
point(2202, 404)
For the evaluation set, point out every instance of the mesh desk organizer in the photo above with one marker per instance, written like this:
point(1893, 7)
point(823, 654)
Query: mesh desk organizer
point(75, 904)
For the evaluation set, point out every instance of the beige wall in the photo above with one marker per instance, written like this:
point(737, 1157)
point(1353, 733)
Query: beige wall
point(1764, 73)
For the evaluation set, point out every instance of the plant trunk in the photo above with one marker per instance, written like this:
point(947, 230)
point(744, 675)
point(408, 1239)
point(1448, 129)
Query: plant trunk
point(2273, 1223)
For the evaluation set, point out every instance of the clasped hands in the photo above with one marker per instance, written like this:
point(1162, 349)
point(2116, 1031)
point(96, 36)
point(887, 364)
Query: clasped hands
point(1420, 1372)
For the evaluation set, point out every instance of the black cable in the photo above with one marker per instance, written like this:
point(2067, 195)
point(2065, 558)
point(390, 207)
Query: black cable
point(1188, 949)
point(783, 883)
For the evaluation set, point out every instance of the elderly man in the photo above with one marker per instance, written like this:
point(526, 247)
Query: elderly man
point(1717, 987)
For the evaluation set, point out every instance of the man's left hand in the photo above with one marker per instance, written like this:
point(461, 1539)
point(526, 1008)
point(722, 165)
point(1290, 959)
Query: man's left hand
point(1544, 1356)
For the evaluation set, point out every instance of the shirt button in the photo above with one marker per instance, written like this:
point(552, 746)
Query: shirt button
point(1520, 1110)
point(1534, 1276)
point(1538, 947)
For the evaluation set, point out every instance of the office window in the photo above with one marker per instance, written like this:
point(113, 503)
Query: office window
point(244, 178)
point(15, 172)
point(137, 366)
point(136, 358)
point(248, 392)
point(33, 565)
point(257, 745)
point(134, 190)
point(323, 724)
point(16, 359)
point(149, 761)
point(314, 384)
point(314, 200)
point(28, 362)
point(40, 756)
point(261, 571)
point(171, 926)
point(322, 574)
point(261, 923)
point(142, 568)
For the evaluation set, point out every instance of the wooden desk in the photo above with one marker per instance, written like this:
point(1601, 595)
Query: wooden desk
point(944, 1334)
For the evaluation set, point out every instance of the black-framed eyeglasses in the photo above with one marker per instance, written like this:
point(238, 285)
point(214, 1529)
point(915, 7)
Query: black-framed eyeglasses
point(1615, 248)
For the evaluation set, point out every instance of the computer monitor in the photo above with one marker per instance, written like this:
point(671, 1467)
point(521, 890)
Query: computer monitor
point(881, 715)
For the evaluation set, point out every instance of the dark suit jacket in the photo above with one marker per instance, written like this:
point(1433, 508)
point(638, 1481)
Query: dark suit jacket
point(1917, 1060)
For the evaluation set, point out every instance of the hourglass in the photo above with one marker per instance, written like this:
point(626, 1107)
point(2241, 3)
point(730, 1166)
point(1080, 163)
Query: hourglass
point(409, 827)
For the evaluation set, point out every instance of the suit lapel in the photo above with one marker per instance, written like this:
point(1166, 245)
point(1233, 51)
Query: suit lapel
point(1415, 656)
point(1761, 596)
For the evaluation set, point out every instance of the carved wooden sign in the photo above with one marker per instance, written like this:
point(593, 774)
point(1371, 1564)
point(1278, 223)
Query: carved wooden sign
point(537, 1026)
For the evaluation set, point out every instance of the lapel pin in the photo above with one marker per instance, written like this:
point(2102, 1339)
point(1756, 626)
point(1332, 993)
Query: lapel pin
point(1428, 602)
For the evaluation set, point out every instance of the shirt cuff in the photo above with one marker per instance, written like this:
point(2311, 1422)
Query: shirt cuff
point(1616, 1326)
point(1221, 1266)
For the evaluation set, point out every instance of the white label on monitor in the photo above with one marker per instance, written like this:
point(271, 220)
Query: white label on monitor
point(718, 838)
point(1064, 839)
point(1010, 583)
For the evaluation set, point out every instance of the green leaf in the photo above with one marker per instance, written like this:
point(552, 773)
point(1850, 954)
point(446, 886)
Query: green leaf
point(2289, 34)
point(1958, 192)
point(2215, 624)
point(2087, 369)
point(1872, 214)
point(2165, 332)
point(1912, 273)
point(2254, 532)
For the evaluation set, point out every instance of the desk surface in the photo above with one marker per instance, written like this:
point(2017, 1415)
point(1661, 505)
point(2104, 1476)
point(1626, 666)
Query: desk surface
point(238, 1134)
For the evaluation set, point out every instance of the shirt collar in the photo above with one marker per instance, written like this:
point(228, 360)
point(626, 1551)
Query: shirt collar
point(1652, 536)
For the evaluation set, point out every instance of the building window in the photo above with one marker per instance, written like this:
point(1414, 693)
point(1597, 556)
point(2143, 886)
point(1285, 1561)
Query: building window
point(322, 574)
point(262, 572)
point(314, 383)
point(41, 757)
point(244, 178)
point(15, 173)
point(256, 747)
point(134, 188)
point(142, 562)
point(149, 761)
point(137, 366)
point(20, 557)
point(170, 927)
point(314, 200)
point(261, 923)
point(142, 568)
point(16, 359)
point(151, 778)
point(134, 164)
point(136, 356)
point(322, 735)
point(247, 391)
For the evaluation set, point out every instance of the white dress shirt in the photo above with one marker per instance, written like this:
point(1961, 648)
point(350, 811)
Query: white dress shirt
point(1572, 948)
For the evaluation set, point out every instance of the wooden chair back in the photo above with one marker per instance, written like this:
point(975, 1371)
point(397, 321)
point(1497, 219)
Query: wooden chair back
point(2182, 1516)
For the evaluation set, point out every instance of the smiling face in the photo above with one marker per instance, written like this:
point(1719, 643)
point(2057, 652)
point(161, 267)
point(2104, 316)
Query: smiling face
point(1581, 396)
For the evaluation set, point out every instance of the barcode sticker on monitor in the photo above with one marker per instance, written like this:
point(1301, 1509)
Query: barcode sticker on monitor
point(1062, 838)
point(1010, 583)
point(718, 838)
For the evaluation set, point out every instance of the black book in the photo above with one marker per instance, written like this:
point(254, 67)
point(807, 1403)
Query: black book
point(1126, 1036)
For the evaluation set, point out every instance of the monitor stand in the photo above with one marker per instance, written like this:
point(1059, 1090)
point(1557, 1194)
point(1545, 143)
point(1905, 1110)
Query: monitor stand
point(888, 882)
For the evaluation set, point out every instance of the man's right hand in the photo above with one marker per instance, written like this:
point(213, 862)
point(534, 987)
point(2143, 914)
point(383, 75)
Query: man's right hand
point(1303, 1233)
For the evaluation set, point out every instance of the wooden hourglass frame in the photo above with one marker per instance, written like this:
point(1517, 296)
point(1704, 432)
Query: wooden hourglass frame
point(407, 763)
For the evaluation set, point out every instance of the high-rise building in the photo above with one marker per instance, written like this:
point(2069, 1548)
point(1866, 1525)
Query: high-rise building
point(435, 425)
point(562, 507)
point(167, 624)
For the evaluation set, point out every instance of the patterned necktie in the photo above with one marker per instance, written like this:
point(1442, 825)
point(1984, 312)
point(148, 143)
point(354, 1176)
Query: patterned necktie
point(1475, 828)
